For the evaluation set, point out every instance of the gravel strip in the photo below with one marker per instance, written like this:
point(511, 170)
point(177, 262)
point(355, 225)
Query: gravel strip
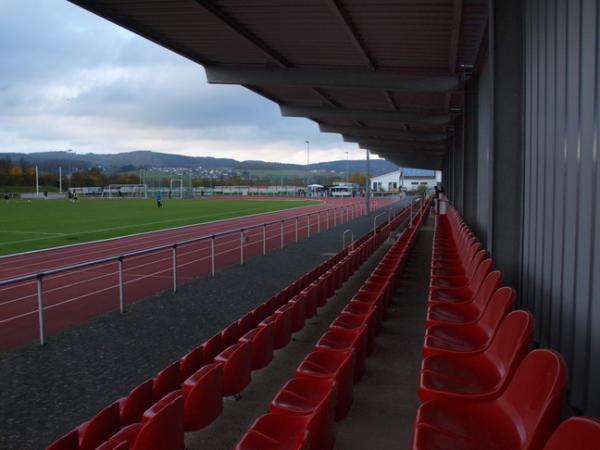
point(47, 391)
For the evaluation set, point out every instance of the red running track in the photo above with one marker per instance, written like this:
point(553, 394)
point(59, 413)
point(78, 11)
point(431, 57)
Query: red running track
point(80, 294)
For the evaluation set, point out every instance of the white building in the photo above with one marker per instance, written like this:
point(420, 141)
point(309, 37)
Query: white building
point(406, 179)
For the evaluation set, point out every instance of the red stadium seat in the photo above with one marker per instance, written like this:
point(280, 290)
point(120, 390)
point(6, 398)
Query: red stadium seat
point(162, 427)
point(69, 441)
point(114, 446)
point(99, 428)
point(260, 313)
point(203, 398)
point(577, 433)
point(262, 339)
point(462, 294)
point(348, 321)
point(247, 322)
point(298, 304)
point(231, 334)
point(282, 322)
point(167, 380)
point(364, 309)
point(191, 362)
point(315, 400)
point(465, 312)
point(277, 432)
point(474, 337)
point(522, 418)
point(139, 400)
point(311, 300)
point(237, 363)
point(344, 340)
point(480, 376)
point(212, 348)
point(332, 365)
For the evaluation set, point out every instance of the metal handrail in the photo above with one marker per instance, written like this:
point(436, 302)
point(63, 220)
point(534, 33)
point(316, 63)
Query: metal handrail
point(119, 259)
point(33, 276)
point(351, 238)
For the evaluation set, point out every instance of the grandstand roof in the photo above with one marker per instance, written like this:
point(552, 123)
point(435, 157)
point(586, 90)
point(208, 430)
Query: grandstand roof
point(387, 75)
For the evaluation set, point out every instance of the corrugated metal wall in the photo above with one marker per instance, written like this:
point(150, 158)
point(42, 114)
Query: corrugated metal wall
point(560, 280)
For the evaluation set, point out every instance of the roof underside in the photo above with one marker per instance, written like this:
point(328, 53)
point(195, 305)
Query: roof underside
point(385, 74)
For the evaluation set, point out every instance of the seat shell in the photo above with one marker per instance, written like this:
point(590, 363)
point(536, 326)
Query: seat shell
point(237, 364)
point(580, 433)
point(203, 398)
point(332, 365)
point(480, 376)
point(522, 418)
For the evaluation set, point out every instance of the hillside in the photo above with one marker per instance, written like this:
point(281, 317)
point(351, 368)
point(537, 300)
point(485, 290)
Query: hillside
point(144, 159)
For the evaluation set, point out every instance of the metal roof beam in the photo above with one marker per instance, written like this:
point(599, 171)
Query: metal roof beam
point(331, 78)
point(435, 119)
point(382, 132)
point(243, 31)
point(457, 10)
point(344, 19)
point(401, 141)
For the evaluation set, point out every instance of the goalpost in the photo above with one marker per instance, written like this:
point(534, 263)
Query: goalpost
point(126, 191)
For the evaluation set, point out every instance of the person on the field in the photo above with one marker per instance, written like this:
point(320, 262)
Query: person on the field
point(6, 196)
point(159, 200)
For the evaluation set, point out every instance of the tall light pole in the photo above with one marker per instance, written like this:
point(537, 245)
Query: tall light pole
point(348, 168)
point(307, 162)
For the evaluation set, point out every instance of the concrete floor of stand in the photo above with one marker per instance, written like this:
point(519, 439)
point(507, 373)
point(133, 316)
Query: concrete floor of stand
point(385, 401)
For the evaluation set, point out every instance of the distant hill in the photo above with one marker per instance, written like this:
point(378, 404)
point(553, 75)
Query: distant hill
point(145, 159)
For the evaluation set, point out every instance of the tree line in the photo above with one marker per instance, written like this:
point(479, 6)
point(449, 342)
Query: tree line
point(22, 174)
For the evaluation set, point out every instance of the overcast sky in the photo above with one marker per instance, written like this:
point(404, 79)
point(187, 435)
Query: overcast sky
point(71, 80)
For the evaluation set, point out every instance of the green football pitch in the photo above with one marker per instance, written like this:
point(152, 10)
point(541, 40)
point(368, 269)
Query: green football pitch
point(41, 224)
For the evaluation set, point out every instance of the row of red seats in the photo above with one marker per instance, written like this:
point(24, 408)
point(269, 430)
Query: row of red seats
point(481, 384)
point(187, 395)
point(303, 414)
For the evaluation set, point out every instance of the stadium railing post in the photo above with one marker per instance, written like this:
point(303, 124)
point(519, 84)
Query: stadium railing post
point(264, 227)
point(40, 302)
point(335, 217)
point(212, 255)
point(296, 229)
point(121, 293)
point(308, 218)
point(328, 218)
point(319, 222)
point(282, 234)
point(175, 268)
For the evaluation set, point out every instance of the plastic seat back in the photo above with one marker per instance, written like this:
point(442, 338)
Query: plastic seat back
point(534, 398)
point(501, 303)
point(212, 348)
point(100, 428)
point(581, 433)
point(511, 343)
point(69, 441)
point(277, 432)
point(237, 364)
point(483, 269)
point(203, 399)
point(139, 400)
point(231, 334)
point(163, 425)
point(167, 380)
point(191, 362)
point(491, 284)
point(246, 323)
